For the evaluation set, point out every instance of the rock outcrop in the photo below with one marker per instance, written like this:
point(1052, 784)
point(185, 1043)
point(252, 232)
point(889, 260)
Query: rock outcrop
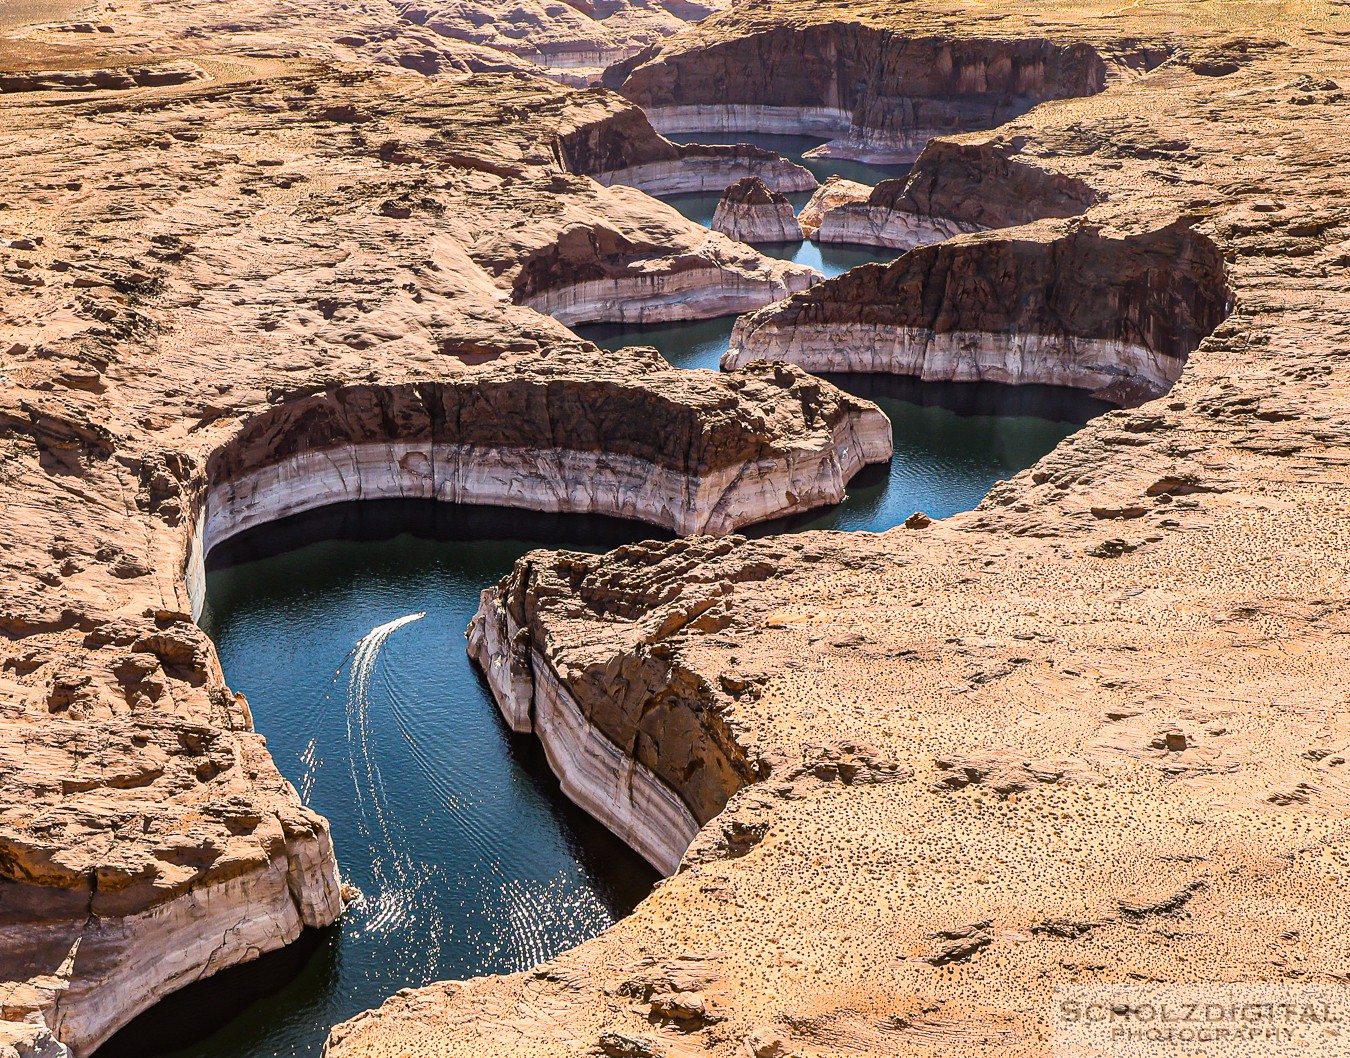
point(1065, 304)
point(878, 95)
point(120, 78)
point(749, 212)
point(831, 195)
point(594, 272)
point(619, 146)
point(958, 185)
point(631, 437)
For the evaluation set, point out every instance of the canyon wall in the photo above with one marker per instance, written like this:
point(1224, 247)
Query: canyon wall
point(958, 185)
point(621, 147)
point(875, 95)
point(594, 273)
point(633, 740)
point(1067, 304)
point(629, 437)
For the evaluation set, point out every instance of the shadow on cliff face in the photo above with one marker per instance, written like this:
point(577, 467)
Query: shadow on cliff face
point(883, 91)
point(1068, 303)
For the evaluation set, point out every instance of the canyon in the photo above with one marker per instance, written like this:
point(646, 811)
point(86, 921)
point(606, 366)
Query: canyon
point(147, 837)
point(901, 783)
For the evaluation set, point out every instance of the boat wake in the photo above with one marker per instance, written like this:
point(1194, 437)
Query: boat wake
point(534, 917)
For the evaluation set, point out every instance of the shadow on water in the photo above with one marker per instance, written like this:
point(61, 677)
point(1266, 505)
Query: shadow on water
point(953, 441)
point(469, 857)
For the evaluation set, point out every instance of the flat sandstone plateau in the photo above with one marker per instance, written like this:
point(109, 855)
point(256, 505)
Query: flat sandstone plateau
point(1095, 730)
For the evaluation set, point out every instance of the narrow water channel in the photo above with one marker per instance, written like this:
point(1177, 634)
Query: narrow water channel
point(345, 629)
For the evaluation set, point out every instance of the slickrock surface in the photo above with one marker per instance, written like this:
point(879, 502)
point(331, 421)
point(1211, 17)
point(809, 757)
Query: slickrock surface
point(1094, 730)
point(447, 38)
point(749, 212)
point(196, 280)
point(833, 194)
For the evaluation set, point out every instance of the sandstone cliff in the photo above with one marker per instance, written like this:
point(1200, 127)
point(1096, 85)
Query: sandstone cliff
point(749, 212)
point(1057, 304)
point(628, 436)
point(619, 146)
point(957, 185)
point(877, 95)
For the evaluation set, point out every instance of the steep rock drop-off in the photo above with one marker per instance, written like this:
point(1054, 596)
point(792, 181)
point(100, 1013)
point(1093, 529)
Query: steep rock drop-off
point(628, 437)
point(880, 96)
point(619, 146)
point(1054, 304)
point(958, 185)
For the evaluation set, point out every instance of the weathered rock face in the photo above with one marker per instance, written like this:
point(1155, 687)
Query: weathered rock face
point(831, 195)
point(880, 96)
point(749, 212)
point(120, 78)
point(630, 437)
point(957, 185)
point(1067, 305)
point(595, 272)
point(619, 146)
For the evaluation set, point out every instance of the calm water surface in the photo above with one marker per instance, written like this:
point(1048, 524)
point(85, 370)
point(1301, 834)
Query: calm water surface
point(345, 629)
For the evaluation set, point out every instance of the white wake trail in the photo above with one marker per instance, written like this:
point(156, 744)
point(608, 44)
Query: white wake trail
point(389, 861)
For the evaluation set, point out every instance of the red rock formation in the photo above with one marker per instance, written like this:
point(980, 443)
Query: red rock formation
point(1064, 304)
point(957, 185)
point(619, 146)
point(885, 94)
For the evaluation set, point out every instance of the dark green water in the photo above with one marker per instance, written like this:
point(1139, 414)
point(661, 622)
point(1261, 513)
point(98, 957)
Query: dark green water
point(953, 440)
point(345, 629)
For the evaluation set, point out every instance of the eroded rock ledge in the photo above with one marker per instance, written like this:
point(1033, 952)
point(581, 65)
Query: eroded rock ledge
point(621, 147)
point(957, 185)
point(629, 437)
point(877, 95)
point(1067, 304)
